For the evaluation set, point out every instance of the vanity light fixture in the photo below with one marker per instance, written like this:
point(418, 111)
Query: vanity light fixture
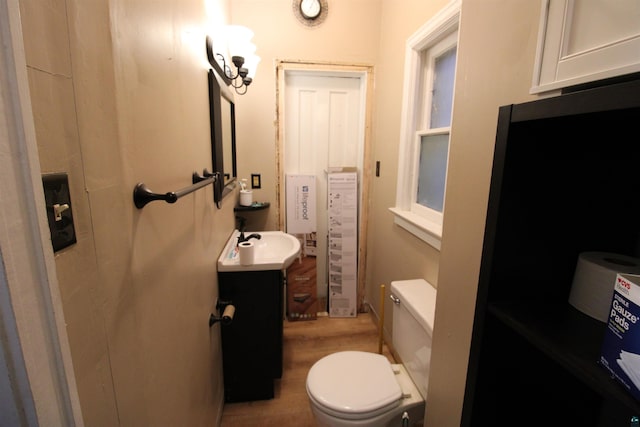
point(243, 57)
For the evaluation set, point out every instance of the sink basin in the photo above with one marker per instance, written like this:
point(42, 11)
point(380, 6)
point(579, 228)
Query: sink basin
point(275, 250)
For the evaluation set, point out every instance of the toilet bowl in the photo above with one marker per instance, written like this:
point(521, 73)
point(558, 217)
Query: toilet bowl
point(356, 388)
point(364, 389)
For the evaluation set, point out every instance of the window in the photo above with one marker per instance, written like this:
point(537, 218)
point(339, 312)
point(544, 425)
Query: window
point(430, 66)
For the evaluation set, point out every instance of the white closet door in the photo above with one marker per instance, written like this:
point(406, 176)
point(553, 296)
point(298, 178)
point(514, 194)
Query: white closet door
point(324, 128)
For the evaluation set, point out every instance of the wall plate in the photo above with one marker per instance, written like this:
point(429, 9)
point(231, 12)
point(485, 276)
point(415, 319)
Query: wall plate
point(255, 180)
point(59, 212)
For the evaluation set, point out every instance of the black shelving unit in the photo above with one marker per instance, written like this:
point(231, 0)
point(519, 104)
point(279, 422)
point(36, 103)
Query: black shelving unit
point(565, 180)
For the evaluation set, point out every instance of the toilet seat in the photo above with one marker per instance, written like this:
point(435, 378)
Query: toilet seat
point(353, 384)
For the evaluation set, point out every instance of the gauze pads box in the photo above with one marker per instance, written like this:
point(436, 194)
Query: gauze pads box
point(620, 353)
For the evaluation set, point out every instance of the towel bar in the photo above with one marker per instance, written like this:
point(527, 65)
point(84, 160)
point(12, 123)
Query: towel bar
point(143, 195)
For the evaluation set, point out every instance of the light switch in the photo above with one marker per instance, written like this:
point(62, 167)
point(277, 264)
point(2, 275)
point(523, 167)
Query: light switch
point(255, 180)
point(59, 214)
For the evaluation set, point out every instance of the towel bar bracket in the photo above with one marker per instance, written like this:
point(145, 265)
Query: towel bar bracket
point(143, 195)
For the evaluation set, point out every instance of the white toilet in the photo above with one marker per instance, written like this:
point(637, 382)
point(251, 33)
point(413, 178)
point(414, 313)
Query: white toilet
point(355, 388)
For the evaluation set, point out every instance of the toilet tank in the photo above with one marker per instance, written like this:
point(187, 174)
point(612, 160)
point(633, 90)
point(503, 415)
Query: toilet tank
point(413, 314)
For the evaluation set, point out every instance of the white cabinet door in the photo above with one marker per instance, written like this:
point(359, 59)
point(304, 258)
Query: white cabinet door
point(582, 41)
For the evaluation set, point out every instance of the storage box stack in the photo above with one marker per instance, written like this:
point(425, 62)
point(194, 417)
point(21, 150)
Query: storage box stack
point(594, 278)
point(343, 242)
point(302, 286)
point(620, 353)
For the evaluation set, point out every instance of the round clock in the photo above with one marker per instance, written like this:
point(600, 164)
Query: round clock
point(310, 12)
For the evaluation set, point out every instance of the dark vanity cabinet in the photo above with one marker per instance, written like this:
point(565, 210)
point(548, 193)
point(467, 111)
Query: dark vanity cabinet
point(565, 180)
point(252, 342)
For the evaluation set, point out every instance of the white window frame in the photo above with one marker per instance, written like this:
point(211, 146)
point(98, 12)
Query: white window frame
point(424, 223)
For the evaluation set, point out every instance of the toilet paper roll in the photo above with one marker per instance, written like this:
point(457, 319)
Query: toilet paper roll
point(594, 280)
point(246, 252)
point(227, 315)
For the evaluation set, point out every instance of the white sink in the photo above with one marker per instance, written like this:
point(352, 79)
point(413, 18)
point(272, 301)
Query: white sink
point(275, 250)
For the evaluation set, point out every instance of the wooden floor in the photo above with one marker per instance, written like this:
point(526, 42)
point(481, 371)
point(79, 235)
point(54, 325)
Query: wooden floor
point(304, 343)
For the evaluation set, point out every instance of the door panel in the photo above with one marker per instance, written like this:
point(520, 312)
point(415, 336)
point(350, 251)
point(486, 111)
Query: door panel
point(324, 124)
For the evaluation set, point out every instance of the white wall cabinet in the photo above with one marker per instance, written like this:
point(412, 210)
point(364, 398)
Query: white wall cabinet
point(585, 41)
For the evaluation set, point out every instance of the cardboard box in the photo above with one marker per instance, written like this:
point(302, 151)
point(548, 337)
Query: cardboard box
point(302, 289)
point(342, 192)
point(620, 353)
point(301, 204)
point(302, 286)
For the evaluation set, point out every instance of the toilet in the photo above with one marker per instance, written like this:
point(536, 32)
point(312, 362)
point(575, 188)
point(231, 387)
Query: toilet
point(356, 388)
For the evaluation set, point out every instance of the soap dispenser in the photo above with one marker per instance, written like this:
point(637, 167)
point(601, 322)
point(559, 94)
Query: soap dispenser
point(246, 195)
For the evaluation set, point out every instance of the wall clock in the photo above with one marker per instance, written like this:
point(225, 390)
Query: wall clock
point(310, 12)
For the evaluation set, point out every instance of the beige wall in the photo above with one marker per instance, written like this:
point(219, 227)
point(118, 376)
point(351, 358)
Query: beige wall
point(47, 49)
point(349, 35)
point(393, 253)
point(119, 95)
point(495, 64)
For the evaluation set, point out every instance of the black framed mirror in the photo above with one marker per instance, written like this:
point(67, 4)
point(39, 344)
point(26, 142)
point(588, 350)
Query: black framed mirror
point(223, 137)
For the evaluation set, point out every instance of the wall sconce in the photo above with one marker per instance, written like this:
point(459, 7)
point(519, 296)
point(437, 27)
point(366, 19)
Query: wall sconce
point(243, 57)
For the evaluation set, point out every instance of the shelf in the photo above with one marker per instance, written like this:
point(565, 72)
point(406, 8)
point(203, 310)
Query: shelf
point(531, 351)
point(255, 206)
point(569, 337)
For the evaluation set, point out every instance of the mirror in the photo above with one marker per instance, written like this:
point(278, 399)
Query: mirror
point(223, 136)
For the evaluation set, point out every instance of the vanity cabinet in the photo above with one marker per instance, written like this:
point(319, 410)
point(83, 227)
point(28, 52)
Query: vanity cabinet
point(565, 180)
point(252, 342)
